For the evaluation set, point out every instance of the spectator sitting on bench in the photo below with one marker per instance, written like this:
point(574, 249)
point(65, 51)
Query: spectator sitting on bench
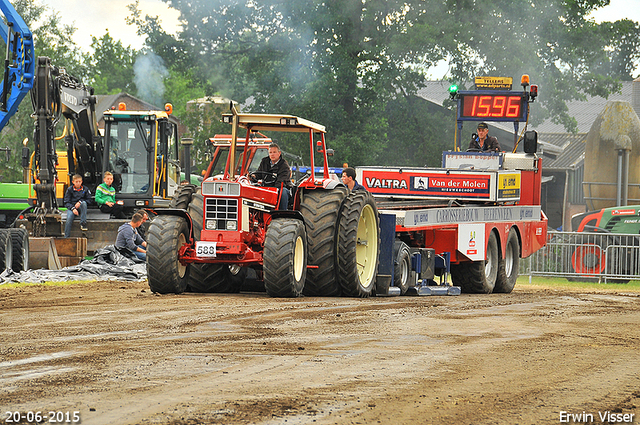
point(76, 199)
point(106, 197)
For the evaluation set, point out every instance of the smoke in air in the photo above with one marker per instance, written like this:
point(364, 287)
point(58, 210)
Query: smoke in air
point(150, 73)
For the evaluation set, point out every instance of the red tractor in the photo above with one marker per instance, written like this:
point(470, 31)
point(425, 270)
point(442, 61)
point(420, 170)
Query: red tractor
point(326, 244)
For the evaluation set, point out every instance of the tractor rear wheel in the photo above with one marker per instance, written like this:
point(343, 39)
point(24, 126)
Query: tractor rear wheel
point(167, 234)
point(509, 267)
point(196, 212)
point(182, 196)
point(20, 248)
point(221, 278)
point(358, 245)
point(285, 258)
point(321, 210)
point(6, 250)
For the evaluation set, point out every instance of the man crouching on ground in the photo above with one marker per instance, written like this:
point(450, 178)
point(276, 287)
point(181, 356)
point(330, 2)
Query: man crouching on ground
point(129, 238)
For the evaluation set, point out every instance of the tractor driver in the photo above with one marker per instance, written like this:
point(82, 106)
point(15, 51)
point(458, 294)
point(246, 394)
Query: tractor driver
point(274, 171)
point(482, 142)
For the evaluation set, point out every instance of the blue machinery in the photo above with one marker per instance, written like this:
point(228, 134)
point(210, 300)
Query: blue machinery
point(19, 64)
point(424, 263)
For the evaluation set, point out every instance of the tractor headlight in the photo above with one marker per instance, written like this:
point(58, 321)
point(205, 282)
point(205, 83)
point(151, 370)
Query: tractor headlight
point(232, 225)
point(211, 225)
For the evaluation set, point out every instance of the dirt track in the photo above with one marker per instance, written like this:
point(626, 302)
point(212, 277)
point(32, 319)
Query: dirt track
point(119, 354)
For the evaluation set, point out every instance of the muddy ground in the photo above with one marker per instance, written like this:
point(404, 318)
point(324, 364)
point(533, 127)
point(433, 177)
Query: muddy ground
point(119, 354)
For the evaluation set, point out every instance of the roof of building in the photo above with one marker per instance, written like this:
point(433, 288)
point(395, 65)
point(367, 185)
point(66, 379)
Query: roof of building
point(585, 112)
point(105, 102)
point(572, 150)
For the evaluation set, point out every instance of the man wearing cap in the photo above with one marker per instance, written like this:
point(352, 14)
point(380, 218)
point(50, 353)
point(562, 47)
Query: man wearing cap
point(482, 142)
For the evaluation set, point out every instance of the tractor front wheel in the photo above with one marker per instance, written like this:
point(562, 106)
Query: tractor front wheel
point(167, 234)
point(285, 258)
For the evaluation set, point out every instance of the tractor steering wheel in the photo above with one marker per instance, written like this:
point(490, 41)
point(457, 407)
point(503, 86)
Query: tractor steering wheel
point(266, 177)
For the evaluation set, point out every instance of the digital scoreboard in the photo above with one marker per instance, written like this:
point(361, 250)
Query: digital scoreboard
point(492, 106)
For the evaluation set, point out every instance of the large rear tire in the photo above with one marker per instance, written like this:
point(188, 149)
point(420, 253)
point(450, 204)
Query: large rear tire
point(20, 248)
point(182, 196)
point(167, 234)
point(196, 212)
point(6, 250)
point(208, 277)
point(358, 245)
point(509, 267)
point(401, 266)
point(321, 209)
point(478, 277)
point(220, 278)
point(285, 258)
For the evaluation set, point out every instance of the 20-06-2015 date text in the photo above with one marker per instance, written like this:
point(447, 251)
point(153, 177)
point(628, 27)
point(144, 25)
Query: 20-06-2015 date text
point(49, 416)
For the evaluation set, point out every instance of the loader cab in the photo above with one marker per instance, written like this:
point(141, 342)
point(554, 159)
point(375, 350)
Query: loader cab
point(141, 150)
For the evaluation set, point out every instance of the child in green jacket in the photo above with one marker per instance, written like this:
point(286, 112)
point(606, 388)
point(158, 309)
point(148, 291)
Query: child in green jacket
point(106, 197)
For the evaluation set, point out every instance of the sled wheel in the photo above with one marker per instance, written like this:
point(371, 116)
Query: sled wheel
point(478, 277)
point(509, 267)
point(401, 266)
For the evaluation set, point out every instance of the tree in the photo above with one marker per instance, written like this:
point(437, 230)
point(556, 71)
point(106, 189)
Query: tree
point(566, 53)
point(52, 39)
point(344, 63)
point(110, 67)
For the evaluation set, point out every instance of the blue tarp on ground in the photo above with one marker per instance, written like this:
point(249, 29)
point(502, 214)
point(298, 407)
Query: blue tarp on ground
point(107, 264)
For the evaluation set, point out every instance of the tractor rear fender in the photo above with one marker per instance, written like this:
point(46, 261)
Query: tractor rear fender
point(287, 214)
point(179, 213)
point(327, 184)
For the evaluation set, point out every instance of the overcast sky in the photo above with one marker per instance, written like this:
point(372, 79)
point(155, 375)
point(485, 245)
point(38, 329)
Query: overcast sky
point(94, 17)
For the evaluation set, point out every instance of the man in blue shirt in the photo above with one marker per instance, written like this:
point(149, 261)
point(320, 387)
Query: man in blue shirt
point(129, 238)
point(349, 179)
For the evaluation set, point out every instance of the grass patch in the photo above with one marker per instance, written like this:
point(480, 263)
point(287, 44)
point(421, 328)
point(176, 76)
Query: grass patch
point(52, 283)
point(563, 283)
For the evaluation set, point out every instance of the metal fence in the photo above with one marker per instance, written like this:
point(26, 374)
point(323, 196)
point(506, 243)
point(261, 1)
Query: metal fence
point(605, 257)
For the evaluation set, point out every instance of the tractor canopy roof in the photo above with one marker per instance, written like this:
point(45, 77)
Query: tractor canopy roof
point(274, 122)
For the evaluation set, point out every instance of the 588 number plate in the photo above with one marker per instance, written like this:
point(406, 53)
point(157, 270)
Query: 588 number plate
point(206, 249)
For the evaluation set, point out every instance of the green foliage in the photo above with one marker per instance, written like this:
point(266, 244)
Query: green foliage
point(52, 39)
point(110, 67)
point(420, 131)
point(567, 54)
point(352, 65)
